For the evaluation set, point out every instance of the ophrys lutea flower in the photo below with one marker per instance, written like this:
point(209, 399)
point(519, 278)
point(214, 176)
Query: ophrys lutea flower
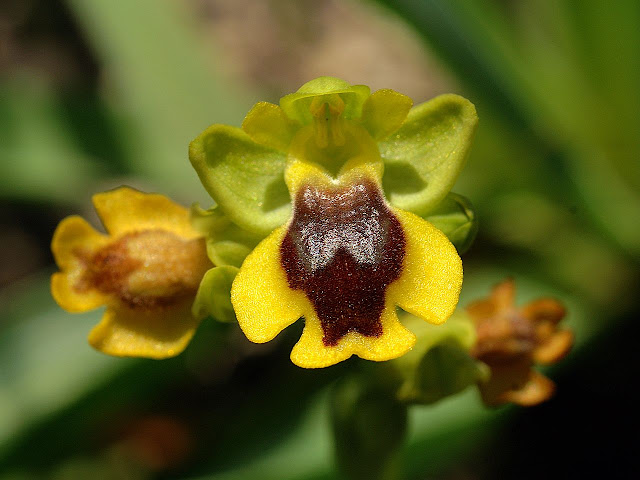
point(146, 270)
point(338, 181)
point(510, 340)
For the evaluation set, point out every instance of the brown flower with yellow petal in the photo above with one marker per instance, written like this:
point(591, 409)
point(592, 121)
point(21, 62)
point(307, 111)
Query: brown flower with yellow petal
point(146, 270)
point(511, 339)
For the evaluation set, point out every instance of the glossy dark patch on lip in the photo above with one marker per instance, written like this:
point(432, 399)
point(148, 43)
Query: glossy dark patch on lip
point(343, 248)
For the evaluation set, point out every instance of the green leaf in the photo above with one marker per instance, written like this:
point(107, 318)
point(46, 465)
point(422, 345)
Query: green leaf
point(268, 125)
point(47, 361)
point(245, 179)
point(297, 105)
point(227, 244)
point(384, 112)
point(424, 157)
point(164, 81)
point(455, 218)
point(214, 295)
point(39, 158)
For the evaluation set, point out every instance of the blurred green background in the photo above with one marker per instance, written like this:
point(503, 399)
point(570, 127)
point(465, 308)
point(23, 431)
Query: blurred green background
point(99, 93)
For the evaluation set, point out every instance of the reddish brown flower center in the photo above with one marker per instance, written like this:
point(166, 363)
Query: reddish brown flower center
point(343, 248)
point(147, 269)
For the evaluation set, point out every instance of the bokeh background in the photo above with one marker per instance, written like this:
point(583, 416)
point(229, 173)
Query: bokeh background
point(99, 93)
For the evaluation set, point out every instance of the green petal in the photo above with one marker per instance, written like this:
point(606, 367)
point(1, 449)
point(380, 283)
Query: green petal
point(424, 157)
point(384, 112)
point(214, 295)
point(227, 244)
point(245, 179)
point(268, 125)
point(455, 218)
point(296, 105)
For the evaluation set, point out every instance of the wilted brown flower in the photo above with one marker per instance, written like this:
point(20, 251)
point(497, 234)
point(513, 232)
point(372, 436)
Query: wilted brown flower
point(511, 339)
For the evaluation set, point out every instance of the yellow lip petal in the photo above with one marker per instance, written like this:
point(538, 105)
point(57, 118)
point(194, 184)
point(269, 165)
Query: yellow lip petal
point(126, 210)
point(73, 242)
point(261, 297)
point(311, 352)
point(72, 237)
point(554, 348)
point(432, 272)
point(66, 295)
point(152, 334)
point(537, 389)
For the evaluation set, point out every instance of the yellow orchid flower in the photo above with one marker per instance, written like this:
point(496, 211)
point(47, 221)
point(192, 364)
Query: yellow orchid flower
point(347, 242)
point(146, 271)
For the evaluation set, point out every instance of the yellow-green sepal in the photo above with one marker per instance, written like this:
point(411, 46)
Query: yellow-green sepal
point(268, 125)
point(424, 157)
point(244, 178)
point(384, 112)
point(454, 217)
point(214, 295)
point(297, 105)
point(227, 244)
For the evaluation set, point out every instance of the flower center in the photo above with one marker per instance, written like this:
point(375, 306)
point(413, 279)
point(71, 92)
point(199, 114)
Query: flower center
point(147, 269)
point(327, 120)
point(343, 248)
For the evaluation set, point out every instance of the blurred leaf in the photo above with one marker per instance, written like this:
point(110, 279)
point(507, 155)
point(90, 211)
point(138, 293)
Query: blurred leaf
point(47, 362)
point(533, 64)
point(164, 79)
point(38, 157)
point(369, 426)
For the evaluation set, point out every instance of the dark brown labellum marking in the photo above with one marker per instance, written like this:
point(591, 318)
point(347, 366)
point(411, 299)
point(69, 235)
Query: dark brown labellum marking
point(343, 248)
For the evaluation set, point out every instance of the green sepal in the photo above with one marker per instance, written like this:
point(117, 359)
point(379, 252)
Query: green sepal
point(369, 426)
point(297, 105)
point(456, 219)
point(227, 244)
point(439, 365)
point(384, 112)
point(244, 178)
point(214, 295)
point(425, 156)
point(268, 125)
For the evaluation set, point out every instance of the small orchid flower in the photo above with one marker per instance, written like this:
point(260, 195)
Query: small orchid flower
point(146, 270)
point(338, 183)
point(511, 340)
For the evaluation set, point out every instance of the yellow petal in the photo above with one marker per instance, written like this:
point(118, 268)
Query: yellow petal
point(74, 237)
point(311, 352)
point(554, 348)
point(69, 297)
point(432, 272)
point(73, 242)
point(537, 389)
point(156, 333)
point(260, 294)
point(126, 210)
